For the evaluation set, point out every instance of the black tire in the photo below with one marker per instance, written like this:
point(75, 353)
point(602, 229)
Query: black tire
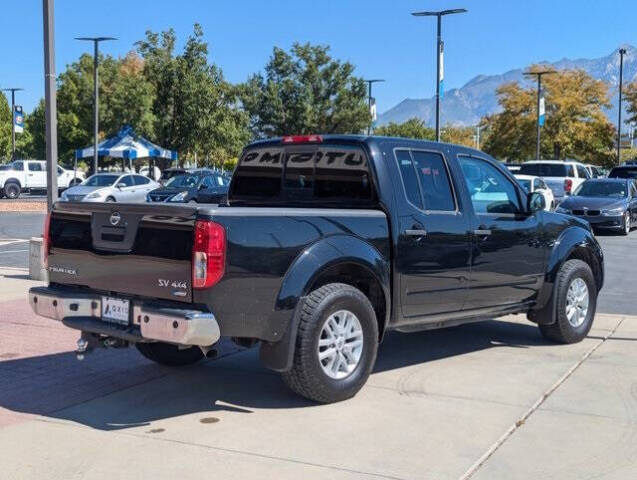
point(110, 199)
point(12, 190)
point(170, 355)
point(625, 229)
point(562, 330)
point(306, 377)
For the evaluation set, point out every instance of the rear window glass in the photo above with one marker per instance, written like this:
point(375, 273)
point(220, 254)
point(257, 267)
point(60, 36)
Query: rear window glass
point(303, 174)
point(546, 170)
point(623, 173)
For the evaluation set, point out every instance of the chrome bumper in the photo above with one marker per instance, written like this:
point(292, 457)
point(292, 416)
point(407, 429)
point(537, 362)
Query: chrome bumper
point(172, 325)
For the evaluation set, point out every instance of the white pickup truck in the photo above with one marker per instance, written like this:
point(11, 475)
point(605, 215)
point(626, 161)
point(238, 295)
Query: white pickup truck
point(26, 175)
point(562, 176)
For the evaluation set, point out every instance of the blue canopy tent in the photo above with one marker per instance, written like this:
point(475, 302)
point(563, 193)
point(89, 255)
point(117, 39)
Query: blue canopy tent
point(127, 146)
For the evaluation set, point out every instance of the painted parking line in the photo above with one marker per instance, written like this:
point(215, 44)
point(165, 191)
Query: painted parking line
point(12, 251)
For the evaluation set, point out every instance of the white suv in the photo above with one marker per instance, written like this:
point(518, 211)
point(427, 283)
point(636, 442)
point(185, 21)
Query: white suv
point(562, 177)
point(27, 175)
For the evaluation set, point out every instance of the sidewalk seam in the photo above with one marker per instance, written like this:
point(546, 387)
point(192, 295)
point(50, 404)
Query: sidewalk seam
point(520, 421)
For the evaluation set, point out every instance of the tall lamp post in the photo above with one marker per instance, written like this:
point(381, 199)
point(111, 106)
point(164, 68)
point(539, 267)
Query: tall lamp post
point(12, 90)
point(369, 100)
point(439, 48)
point(50, 102)
point(96, 107)
point(539, 74)
point(622, 52)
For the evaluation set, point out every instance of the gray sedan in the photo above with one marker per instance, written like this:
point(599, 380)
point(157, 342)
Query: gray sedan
point(606, 203)
point(111, 187)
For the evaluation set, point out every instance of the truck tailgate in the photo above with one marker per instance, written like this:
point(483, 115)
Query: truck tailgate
point(134, 249)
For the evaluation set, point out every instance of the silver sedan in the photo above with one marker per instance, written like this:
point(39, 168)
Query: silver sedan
point(111, 187)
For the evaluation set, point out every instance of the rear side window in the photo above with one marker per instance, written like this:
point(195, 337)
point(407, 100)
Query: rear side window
point(546, 170)
point(304, 174)
point(426, 180)
point(141, 180)
point(18, 166)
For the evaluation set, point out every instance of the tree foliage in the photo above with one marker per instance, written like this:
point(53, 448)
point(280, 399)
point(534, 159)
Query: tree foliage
point(5, 128)
point(305, 91)
point(630, 97)
point(575, 125)
point(412, 128)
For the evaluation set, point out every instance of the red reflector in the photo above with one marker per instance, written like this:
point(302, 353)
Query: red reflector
point(568, 185)
point(46, 240)
point(302, 139)
point(208, 254)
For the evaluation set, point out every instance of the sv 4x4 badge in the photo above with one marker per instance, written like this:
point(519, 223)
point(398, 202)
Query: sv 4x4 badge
point(180, 286)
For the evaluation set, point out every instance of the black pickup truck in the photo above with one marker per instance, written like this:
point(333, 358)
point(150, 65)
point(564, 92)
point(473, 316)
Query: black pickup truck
point(325, 244)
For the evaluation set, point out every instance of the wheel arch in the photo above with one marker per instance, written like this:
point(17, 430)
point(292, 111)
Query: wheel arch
point(323, 262)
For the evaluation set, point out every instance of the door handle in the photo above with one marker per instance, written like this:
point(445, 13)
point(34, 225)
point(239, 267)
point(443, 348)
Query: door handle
point(416, 232)
point(482, 233)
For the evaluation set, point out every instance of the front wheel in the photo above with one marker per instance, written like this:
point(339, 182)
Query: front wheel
point(576, 302)
point(110, 199)
point(170, 355)
point(625, 229)
point(336, 344)
point(12, 190)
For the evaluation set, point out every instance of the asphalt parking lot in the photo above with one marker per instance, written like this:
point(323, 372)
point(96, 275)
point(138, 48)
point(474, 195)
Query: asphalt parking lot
point(490, 400)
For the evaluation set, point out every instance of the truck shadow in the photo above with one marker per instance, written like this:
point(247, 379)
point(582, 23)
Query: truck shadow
point(113, 390)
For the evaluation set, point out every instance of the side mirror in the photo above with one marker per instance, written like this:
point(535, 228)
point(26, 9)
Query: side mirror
point(119, 186)
point(202, 187)
point(535, 202)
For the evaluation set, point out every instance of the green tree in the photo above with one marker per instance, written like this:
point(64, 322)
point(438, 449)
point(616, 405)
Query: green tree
point(458, 135)
point(630, 97)
point(412, 128)
point(195, 110)
point(575, 127)
point(5, 129)
point(305, 91)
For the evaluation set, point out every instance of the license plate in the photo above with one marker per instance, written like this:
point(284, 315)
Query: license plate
point(115, 310)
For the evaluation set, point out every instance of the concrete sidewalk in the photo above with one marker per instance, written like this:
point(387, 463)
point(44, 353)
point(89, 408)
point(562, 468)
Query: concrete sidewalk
point(447, 404)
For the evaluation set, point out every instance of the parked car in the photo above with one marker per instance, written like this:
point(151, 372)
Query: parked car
point(200, 186)
point(537, 184)
point(325, 245)
point(605, 203)
point(624, 171)
point(26, 175)
point(562, 177)
point(111, 187)
point(513, 167)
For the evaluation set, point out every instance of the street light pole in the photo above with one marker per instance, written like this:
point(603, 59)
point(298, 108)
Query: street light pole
point(50, 103)
point(622, 52)
point(539, 74)
point(12, 90)
point(96, 93)
point(439, 49)
point(369, 100)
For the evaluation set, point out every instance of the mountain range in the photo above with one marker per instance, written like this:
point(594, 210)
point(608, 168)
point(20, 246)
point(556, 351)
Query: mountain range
point(468, 104)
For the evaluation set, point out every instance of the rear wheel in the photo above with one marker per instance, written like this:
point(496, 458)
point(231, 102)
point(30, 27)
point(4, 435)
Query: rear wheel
point(12, 190)
point(110, 199)
point(170, 355)
point(576, 302)
point(336, 344)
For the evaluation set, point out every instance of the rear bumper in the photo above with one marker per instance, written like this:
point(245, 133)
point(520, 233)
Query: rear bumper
point(82, 311)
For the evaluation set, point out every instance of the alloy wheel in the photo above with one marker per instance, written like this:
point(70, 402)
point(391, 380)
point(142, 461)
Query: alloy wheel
point(340, 344)
point(577, 302)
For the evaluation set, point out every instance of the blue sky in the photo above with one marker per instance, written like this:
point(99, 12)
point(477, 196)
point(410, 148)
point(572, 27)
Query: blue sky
point(380, 37)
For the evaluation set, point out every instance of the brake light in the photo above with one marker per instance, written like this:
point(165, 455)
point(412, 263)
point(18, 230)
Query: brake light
point(46, 241)
point(208, 254)
point(568, 185)
point(302, 139)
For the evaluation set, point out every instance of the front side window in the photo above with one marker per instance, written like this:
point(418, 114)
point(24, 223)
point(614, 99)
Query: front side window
point(34, 167)
point(490, 190)
point(582, 172)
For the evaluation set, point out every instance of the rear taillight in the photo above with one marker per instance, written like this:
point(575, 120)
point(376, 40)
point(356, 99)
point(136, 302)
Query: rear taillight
point(568, 185)
point(46, 241)
point(208, 254)
point(302, 139)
